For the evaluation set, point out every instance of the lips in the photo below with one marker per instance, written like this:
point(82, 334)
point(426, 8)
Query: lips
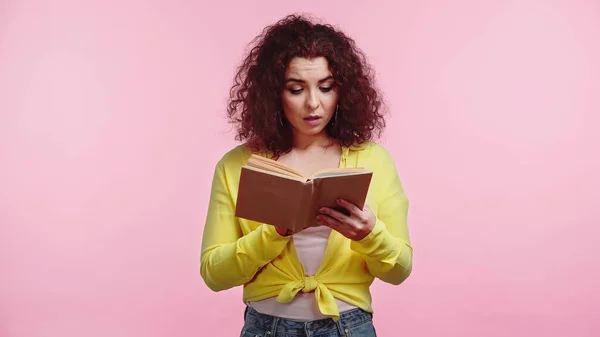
point(312, 118)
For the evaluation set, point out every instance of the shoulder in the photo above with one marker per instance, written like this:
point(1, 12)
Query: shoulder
point(372, 153)
point(379, 160)
point(234, 158)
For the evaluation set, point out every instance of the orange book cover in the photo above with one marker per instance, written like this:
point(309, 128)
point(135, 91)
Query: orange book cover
point(273, 193)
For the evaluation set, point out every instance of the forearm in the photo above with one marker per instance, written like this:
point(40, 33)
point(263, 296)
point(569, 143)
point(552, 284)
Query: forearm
point(224, 266)
point(388, 258)
point(387, 249)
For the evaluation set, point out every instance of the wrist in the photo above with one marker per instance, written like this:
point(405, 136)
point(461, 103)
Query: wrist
point(366, 231)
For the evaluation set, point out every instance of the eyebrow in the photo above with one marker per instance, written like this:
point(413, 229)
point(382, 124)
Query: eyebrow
point(291, 79)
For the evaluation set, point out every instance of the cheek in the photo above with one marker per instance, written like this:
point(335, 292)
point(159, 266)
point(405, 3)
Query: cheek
point(330, 98)
point(292, 105)
point(330, 102)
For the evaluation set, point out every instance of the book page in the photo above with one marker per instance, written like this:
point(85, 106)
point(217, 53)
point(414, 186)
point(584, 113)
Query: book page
point(272, 165)
point(337, 172)
point(281, 173)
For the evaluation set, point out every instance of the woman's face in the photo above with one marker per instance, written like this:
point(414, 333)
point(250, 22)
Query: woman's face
point(309, 96)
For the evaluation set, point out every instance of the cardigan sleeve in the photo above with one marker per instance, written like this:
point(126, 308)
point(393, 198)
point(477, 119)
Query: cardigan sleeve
point(228, 258)
point(387, 249)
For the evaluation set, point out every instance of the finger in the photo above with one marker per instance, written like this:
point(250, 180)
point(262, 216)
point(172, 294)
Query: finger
point(352, 208)
point(283, 231)
point(324, 220)
point(345, 229)
point(333, 213)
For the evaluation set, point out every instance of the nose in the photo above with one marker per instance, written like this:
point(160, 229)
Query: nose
point(312, 101)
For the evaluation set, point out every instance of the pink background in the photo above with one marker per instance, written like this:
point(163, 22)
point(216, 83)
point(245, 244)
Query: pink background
point(112, 118)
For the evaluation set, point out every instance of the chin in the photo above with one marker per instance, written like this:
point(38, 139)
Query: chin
point(310, 131)
point(314, 132)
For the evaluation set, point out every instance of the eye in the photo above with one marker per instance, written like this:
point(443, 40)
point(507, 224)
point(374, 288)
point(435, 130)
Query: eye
point(295, 91)
point(326, 89)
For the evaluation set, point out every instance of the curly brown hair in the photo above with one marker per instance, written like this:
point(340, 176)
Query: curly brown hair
point(255, 105)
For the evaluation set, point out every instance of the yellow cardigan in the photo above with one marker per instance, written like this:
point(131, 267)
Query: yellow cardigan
point(241, 252)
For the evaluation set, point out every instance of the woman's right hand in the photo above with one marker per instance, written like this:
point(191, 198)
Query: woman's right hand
point(283, 231)
point(287, 232)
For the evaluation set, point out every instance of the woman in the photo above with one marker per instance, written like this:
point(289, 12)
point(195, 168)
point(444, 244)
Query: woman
point(305, 96)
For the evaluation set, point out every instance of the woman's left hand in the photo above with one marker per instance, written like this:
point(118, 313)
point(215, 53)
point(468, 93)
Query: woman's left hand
point(355, 226)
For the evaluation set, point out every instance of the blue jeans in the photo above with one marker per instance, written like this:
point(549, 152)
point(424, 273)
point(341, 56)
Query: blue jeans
point(353, 323)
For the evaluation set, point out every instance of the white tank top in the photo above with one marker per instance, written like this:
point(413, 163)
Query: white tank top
point(310, 247)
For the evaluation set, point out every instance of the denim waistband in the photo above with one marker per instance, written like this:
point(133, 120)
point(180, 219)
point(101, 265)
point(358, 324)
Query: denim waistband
point(277, 325)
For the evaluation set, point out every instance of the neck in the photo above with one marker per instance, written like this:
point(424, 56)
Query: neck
point(303, 142)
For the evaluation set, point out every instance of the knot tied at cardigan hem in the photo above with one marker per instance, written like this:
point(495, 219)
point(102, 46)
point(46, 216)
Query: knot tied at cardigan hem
point(325, 300)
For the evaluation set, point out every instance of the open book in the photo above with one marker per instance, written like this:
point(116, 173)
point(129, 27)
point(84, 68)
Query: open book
point(273, 193)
